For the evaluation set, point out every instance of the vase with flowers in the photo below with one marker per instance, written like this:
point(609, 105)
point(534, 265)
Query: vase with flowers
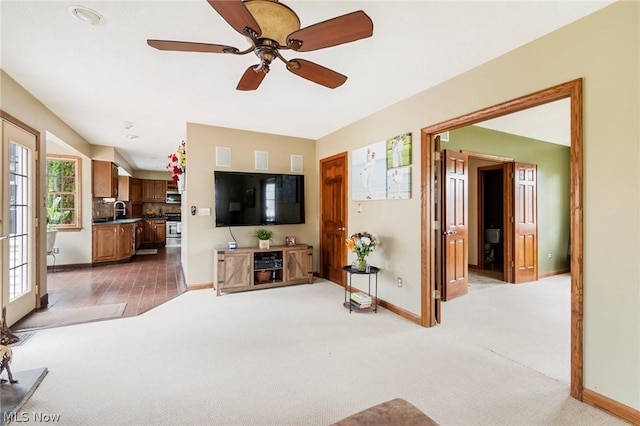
point(362, 243)
point(177, 165)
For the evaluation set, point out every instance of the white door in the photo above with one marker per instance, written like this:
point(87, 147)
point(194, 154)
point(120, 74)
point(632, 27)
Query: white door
point(18, 218)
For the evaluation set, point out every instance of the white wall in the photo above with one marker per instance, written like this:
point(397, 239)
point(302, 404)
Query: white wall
point(603, 49)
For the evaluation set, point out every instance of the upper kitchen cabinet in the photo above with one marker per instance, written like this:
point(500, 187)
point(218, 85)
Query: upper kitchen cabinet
point(129, 189)
point(154, 191)
point(105, 179)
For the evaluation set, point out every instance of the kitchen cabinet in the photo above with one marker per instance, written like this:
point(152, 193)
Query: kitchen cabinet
point(130, 191)
point(139, 233)
point(112, 242)
point(105, 179)
point(155, 231)
point(154, 191)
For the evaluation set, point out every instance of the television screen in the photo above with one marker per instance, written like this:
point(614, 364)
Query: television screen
point(244, 198)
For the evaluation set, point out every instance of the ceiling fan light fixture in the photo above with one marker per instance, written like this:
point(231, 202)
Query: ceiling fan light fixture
point(86, 15)
point(276, 20)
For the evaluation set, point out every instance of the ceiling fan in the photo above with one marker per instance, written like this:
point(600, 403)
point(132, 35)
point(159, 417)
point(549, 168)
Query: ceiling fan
point(270, 27)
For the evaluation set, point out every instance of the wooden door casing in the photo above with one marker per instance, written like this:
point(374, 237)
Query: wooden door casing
point(455, 219)
point(333, 190)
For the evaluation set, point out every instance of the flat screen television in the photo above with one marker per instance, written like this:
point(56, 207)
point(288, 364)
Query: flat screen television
point(245, 198)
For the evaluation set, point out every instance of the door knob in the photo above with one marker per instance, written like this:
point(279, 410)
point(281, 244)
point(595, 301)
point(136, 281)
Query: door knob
point(341, 228)
point(448, 232)
point(3, 237)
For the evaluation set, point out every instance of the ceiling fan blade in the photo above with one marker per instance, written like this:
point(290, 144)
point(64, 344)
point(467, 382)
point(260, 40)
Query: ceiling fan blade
point(342, 29)
point(237, 15)
point(251, 79)
point(316, 73)
point(187, 46)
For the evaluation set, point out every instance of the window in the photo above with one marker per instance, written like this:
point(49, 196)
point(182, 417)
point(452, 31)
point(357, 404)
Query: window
point(63, 192)
point(270, 200)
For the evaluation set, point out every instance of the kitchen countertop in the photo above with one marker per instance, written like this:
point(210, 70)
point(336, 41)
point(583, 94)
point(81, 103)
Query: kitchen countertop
point(116, 222)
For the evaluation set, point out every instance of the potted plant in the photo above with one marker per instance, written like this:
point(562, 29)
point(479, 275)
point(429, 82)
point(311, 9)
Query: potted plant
point(54, 217)
point(264, 235)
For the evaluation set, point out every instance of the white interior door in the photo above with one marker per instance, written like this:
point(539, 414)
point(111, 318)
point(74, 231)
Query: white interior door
point(18, 218)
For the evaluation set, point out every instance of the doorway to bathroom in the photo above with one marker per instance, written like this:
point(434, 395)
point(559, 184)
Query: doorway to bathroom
point(491, 221)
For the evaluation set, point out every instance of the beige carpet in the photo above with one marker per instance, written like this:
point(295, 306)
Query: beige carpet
point(60, 317)
point(295, 356)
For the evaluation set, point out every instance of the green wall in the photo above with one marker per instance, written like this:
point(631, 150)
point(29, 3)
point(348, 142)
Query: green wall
point(553, 184)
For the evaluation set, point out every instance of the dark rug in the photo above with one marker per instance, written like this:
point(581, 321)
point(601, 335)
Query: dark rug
point(13, 396)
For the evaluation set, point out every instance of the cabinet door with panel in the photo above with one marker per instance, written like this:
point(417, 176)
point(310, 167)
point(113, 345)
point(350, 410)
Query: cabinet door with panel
point(154, 191)
point(104, 243)
point(159, 231)
point(125, 241)
point(298, 263)
point(139, 233)
point(234, 270)
point(105, 179)
point(155, 231)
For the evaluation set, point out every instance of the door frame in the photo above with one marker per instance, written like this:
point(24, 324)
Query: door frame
point(41, 300)
point(481, 226)
point(573, 91)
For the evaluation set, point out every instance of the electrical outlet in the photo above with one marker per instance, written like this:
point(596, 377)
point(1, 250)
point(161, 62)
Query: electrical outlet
point(549, 255)
point(56, 250)
point(399, 282)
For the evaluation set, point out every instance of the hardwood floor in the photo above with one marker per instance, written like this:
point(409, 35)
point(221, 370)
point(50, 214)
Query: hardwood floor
point(144, 283)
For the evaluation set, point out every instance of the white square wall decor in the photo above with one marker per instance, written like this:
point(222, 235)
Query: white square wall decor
point(262, 160)
point(223, 156)
point(296, 164)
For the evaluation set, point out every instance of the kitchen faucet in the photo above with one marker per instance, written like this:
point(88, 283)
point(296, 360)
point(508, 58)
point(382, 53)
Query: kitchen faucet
point(122, 210)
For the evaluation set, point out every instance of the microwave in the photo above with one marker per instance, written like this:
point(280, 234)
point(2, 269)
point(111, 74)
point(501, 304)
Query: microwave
point(173, 198)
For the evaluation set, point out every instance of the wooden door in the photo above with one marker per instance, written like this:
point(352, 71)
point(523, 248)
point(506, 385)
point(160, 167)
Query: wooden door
point(333, 190)
point(524, 210)
point(455, 224)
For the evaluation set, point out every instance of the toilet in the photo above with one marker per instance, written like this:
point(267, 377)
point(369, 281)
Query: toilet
point(493, 235)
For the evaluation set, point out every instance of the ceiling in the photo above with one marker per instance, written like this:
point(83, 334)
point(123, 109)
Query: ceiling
point(97, 78)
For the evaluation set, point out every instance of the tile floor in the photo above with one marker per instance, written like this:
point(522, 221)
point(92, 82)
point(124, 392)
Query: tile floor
point(145, 282)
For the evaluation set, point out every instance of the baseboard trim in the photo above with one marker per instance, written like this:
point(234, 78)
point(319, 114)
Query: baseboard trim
point(409, 316)
point(552, 273)
point(44, 301)
point(611, 406)
point(70, 267)
point(204, 286)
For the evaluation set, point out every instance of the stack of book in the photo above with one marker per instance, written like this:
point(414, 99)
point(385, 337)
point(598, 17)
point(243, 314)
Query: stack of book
point(360, 300)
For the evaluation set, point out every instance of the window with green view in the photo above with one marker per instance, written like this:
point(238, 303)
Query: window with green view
point(63, 192)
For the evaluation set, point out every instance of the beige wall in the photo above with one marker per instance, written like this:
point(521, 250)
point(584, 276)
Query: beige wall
point(16, 101)
point(200, 235)
point(603, 49)
point(75, 246)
